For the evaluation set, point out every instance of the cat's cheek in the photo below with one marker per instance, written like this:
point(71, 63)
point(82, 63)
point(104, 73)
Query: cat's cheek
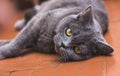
point(76, 57)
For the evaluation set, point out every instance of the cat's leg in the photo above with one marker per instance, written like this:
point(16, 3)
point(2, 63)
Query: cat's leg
point(24, 39)
point(4, 42)
point(20, 24)
point(29, 34)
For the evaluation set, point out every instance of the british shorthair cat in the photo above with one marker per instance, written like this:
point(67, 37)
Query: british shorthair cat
point(72, 28)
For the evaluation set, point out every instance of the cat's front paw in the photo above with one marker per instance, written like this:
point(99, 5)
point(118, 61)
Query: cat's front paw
point(19, 24)
point(5, 51)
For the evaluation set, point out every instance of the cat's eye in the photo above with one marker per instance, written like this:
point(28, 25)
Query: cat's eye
point(77, 50)
point(69, 32)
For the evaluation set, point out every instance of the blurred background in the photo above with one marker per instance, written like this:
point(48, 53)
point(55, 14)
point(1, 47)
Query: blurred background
point(10, 12)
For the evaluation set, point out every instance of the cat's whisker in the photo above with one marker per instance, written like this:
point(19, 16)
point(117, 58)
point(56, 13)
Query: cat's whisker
point(64, 56)
point(60, 59)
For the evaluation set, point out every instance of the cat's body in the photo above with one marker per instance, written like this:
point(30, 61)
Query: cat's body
point(46, 30)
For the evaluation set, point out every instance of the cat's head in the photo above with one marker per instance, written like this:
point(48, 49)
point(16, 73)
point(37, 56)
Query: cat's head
point(79, 37)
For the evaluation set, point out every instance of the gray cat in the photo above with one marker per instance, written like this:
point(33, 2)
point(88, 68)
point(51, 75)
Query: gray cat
point(72, 28)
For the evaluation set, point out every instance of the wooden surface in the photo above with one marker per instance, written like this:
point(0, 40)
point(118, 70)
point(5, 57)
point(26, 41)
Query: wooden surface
point(37, 64)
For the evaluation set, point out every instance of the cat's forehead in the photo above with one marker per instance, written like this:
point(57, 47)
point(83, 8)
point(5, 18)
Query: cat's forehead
point(67, 22)
point(68, 19)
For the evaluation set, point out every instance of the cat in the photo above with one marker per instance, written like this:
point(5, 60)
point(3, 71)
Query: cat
point(73, 29)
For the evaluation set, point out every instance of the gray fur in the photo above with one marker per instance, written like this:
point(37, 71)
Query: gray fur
point(87, 18)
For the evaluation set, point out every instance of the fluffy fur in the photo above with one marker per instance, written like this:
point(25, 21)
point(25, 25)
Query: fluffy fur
point(46, 31)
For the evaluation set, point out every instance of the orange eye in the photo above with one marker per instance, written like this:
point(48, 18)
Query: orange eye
point(77, 50)
point(69, 32)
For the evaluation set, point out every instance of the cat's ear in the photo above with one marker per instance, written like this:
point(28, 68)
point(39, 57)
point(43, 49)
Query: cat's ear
point(102, 48)
point(86, 15)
